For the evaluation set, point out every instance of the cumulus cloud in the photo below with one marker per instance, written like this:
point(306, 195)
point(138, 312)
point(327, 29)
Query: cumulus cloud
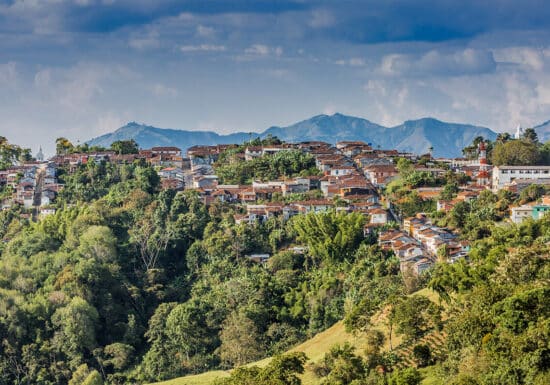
point(435, 63)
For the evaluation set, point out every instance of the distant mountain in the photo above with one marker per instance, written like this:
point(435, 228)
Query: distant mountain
point(417, 136)
point(447, 139)
point(543, 131)
point(149, 136)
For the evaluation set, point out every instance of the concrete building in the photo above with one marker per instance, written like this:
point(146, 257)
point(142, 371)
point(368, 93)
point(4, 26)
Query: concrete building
point(504, 175)
point(519, 214)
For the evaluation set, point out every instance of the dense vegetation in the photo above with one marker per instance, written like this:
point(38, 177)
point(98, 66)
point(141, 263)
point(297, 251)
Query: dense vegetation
point(127, 282)
point(231, 169)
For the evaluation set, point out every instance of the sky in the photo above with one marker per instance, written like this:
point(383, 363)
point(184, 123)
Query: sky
point(82, 68)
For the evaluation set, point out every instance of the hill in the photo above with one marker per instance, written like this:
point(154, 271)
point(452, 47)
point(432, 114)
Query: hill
point(447, 139)
point(149, 136)
point(320, 344)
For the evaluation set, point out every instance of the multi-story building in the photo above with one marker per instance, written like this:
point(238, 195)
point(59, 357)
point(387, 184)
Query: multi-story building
point(504, 175)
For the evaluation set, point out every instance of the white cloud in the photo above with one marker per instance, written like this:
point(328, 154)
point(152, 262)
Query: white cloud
point(203, 31)
point(435, 63)
point(321, 18)
point(42, 78)
point(202, 48)
point(263, 50)
point(8, 74)
point(150, 41)
point(353, 62)
point(162, 90)
point(523, 56)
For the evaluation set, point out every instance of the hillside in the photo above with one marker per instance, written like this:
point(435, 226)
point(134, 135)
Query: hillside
point(316, 347)
point(447, 139)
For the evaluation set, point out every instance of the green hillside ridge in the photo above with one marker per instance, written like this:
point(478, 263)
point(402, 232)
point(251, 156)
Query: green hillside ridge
point(316, 347)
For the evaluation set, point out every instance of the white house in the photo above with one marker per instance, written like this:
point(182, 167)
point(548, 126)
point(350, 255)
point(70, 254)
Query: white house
point(378, 216)
point(519, 214)
point(503, 175)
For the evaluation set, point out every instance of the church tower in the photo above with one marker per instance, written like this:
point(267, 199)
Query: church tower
point(40, 155)
point(519, 132)
point(483, 174)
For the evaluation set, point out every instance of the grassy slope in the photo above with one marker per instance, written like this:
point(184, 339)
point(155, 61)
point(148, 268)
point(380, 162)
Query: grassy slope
point(315, 348)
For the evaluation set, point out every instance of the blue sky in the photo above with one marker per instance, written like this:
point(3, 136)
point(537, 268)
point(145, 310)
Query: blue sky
point(82, 68)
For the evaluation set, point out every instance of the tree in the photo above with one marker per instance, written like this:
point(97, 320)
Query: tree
point(123, 147)
point(503, 137)
point(94, 378)
point(530, 135)
point(408, 376)
point(422, 355)
point(76, 325)
point(63, 146)
point(449, 191)
point(516, 153)
point(118, 355)
point(240, 340)
point(98, 242)
point(282, 370)
point(11, 153)
point(411, 315)
point(404, 167)
point(341, 366)
point(331, 236)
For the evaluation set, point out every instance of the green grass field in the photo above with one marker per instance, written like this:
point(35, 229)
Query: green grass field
point(315, 349)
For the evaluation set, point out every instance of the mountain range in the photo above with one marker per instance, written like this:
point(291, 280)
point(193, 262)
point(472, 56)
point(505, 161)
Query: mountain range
point(417, 136)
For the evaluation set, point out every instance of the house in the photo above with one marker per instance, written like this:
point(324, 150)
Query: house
point(171, 151)
point(172, 173)
point(504, 175)
point(519, 214)
point(258, 258)
point(252, 152)
point(45, 211)
point(378, 216)
point(205, 181)
point(172, 184)
point(540, 210)
point(380, 174)
point(47, 197)
point(341, 170)
point(315, 206)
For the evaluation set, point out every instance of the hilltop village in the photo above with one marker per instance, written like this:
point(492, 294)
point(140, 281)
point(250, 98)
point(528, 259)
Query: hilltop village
point(314, 176)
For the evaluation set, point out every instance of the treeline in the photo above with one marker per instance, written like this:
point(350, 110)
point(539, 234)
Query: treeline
point(232, 169)
point(505, 150)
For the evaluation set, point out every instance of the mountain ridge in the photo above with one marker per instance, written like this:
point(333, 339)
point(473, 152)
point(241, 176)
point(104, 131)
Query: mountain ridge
point(418, 136)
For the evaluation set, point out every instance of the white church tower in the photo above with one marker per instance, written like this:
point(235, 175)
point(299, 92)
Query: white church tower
point(519, 132)
point(40, 155)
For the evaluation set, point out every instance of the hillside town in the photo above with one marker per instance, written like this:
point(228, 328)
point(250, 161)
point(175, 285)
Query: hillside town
point(350, 176)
